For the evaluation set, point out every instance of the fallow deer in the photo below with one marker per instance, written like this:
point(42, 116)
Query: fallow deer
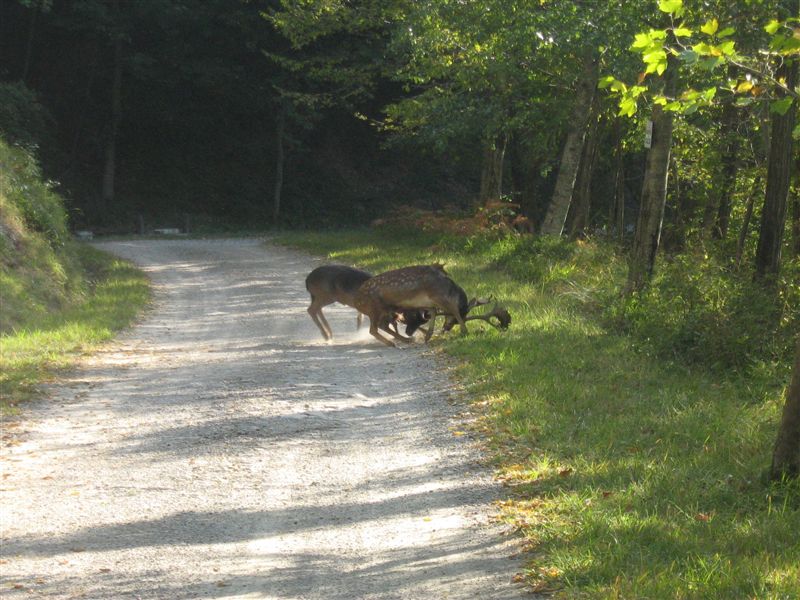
point(337, 283)
point(419, 287)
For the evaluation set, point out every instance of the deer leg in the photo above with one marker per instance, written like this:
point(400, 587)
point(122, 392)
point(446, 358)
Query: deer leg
point(373, 329)
point(315, 311)
point(431, 327)
point(359, 320)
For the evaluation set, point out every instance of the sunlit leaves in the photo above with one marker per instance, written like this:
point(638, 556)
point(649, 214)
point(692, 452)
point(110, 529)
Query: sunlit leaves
point(711, 27)
point(772, 26)
point(673, 7)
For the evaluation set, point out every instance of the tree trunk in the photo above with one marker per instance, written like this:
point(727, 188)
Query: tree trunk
point(786, 456)
point(730, 116)
point(492, 172)
point(280, 131)
point(796, 211)
point(110, 168)
point(674, 232)
point(654, 194)
point(796, 224)
point(525, 174)
point(617, 217)
point(582, 198)
point(556, 216)
point(26, 67)
point(748, 215)
point(779, 171)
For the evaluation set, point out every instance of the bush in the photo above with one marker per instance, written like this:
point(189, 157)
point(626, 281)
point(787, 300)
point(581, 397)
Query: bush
point(22, 185)
point(699, 310)
point(23, 121)
point(39, 268)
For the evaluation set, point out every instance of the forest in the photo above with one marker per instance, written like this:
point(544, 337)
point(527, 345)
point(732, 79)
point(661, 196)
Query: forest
point(637, 161)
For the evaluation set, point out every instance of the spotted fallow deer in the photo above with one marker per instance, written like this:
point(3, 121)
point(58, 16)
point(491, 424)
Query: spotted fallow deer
point(419, 287)
point(337, 283)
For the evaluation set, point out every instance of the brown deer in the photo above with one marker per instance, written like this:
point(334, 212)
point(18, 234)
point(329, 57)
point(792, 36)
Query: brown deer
point(419, 287)
point(337, 283)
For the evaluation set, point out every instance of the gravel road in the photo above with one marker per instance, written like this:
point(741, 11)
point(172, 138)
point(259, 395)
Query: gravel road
point(221, 449)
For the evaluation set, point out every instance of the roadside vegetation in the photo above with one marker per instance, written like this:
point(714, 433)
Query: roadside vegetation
point(59, 298)
point(634, 433)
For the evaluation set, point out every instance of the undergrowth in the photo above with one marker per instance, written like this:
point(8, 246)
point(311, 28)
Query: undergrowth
point(58, 298)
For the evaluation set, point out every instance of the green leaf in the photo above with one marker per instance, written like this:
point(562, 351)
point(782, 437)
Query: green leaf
point(690, 57)
point(710, 27)
point(796, 132)
point(781, 106)
point(709, 94)
point(726, 32)
point(670, 6)
point(606, 81)
point(641, 41)
point(772, 26)
point(682, 32)
point(702, 48)
point(727, 48)
point(655, 57)
point(627, 107)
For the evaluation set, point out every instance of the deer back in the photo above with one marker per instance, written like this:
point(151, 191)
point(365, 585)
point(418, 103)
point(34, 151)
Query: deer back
point(422, 286)
point(336, 283)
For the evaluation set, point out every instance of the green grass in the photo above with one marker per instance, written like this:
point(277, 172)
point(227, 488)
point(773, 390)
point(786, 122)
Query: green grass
point(630, 476)
point(43, 341)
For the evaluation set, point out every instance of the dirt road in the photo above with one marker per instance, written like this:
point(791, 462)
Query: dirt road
point(221, 449)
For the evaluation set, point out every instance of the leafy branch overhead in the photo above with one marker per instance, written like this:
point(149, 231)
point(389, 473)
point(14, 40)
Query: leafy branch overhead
point(701, 47)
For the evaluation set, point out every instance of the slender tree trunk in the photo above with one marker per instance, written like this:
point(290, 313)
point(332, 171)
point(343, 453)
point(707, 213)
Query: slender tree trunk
point(674, 235)
point(796, 210)
point(654, 193)
point(779, 171)
point(556, 216)
point(617, 216)
point(525, 168)
point(582, 198)
point(280, 132)
point(748, 215)
point(26, 67)
point(786, 456)
point(110, 168)
point(796, 224)
point(492, 172)
point(730, 116)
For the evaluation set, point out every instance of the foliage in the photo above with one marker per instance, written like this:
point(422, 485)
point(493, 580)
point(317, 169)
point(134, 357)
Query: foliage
point(39, 271)
point(703, 47)
point(24, 121)
point(58, 297)
point(698, 310)
point(629, 476)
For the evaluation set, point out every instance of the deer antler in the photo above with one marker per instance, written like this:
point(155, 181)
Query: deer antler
point(500, 313)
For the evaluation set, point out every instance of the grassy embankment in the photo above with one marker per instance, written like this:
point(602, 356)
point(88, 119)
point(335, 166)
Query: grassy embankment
point(632, 473)
point(58, 299)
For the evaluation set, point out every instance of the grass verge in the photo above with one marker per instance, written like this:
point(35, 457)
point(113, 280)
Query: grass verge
point(42, 344)
point(629, 476)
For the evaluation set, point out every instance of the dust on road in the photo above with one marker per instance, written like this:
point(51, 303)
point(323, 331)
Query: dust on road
point(221, 449)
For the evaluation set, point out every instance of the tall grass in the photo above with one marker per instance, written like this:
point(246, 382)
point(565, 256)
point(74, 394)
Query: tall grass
point(634, 470)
